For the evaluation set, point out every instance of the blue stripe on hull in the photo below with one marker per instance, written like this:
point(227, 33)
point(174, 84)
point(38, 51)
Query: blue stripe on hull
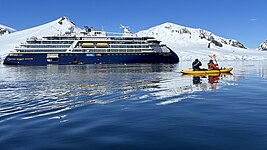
point(72, 58)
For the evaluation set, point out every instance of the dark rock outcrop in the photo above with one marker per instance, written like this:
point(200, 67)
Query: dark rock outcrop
point(263, 46)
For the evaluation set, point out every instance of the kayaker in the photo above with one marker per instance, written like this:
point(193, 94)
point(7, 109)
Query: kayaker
point(196, 64)
point(212, 65)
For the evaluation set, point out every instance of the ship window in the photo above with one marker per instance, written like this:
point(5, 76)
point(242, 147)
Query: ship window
point(52, 59)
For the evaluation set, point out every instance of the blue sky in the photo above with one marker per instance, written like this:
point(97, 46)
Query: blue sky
point(242, 20)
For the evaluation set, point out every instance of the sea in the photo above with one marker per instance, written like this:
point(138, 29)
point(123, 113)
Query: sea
point(133, 106)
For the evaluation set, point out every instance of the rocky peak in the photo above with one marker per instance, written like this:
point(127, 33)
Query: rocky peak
point(6, 30)
point(263, 46)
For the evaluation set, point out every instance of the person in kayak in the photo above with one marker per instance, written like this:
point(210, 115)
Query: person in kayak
point(212, 65)
point(196, 64)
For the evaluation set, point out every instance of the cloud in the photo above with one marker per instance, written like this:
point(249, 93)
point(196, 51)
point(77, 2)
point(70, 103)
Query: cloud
point(253, 19)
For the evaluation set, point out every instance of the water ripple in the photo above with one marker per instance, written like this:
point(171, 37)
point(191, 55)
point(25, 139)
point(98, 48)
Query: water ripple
point(53, 91)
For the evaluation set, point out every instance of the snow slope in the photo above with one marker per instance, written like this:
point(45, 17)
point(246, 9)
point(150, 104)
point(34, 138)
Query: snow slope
point(4, 30)
point(61, 25)
point(190, 43)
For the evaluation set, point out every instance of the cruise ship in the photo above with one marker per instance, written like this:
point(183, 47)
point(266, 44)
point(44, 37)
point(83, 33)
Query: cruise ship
point(91, 47)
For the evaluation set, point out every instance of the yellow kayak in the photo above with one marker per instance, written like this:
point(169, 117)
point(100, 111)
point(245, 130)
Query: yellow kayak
point(204, 75)
point(190, 71)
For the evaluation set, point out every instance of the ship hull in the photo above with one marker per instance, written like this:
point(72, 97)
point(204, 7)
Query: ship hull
point(89, 58)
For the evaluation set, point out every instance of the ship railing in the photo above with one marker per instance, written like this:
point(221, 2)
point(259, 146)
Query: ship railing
point(112, 39)
point(42, 50)
point(95, 39)
point(112, 50)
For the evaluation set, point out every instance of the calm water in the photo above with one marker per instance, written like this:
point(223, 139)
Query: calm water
point(139, 106)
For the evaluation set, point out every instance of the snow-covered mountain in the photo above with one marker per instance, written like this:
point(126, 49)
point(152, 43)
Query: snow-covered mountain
point(263, 46)
point(173, 32)
point(4, 30)
point(190, 43)
point(61, 25)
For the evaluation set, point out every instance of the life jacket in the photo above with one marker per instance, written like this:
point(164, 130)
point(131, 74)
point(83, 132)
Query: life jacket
point(213, 66)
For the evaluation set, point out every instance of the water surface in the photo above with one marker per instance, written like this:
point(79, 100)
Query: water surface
point(138, 106)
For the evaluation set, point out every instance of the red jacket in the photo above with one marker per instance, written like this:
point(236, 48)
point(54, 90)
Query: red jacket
point(213, 66)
